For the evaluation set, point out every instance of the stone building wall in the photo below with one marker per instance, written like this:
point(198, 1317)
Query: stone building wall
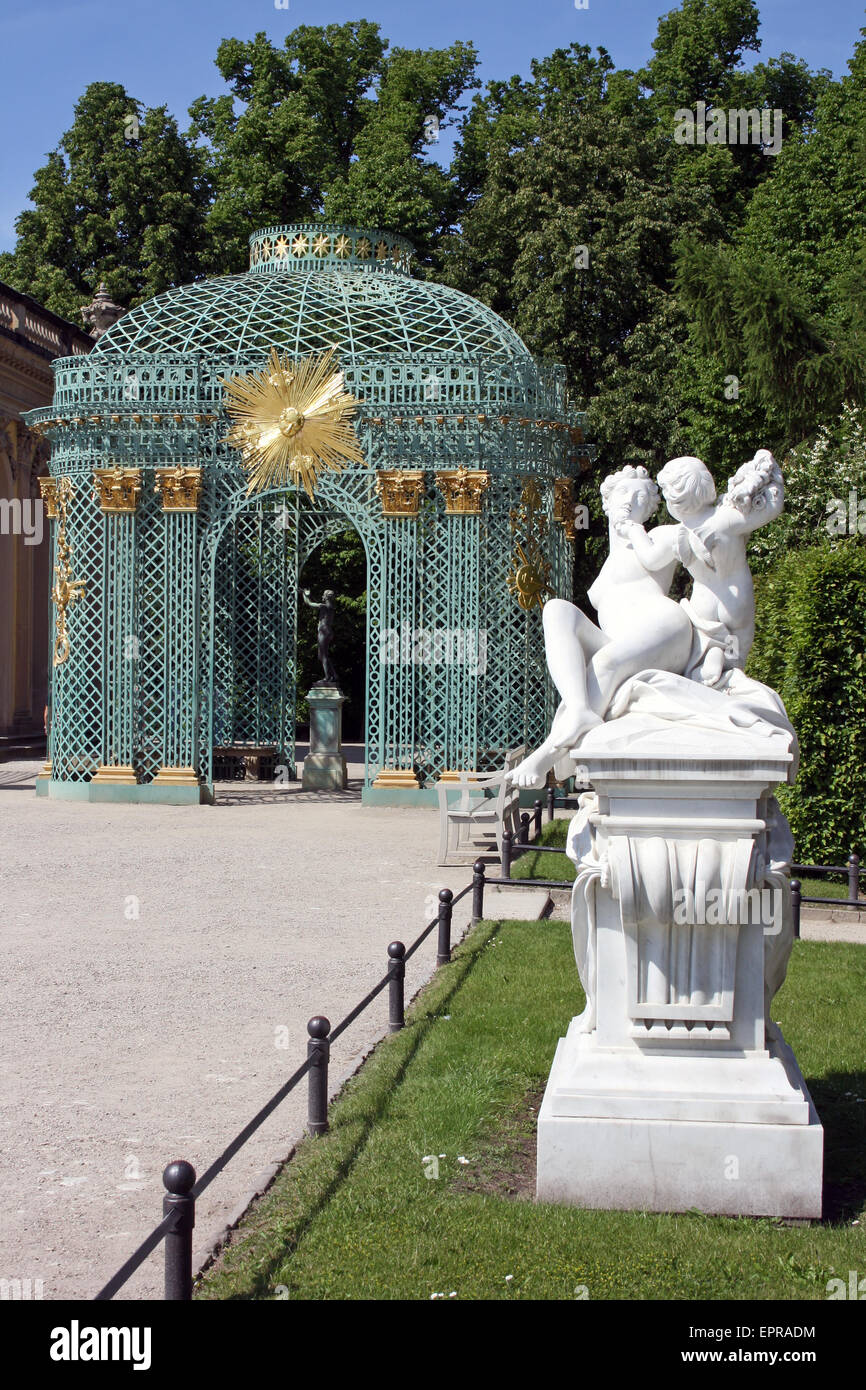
point(30, 338)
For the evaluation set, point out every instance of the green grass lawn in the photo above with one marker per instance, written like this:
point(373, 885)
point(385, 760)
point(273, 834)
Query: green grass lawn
point(536, 864)
point(823, 888)
point(353, 1216)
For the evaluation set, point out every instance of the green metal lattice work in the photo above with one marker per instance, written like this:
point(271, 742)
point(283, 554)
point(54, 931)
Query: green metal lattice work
point(184, 639)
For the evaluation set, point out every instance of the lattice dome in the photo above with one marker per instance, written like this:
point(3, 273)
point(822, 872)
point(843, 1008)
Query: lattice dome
point(303, 303)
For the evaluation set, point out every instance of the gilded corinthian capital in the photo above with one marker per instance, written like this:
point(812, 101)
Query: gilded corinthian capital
point(117, 489)
point(463, 489)
point(180, 488)
point(401, 490)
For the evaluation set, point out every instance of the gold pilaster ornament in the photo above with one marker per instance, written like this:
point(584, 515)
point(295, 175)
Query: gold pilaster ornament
point(180, 488)
point(401, 490)
point(66, 590)
point(291, 421)
point(463, 489)
point(529, 573)
point(48, 489)
point(117, 489)
point(563, 506)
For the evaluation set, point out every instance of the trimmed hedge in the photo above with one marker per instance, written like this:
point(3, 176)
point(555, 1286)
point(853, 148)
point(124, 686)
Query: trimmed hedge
point(810, 645)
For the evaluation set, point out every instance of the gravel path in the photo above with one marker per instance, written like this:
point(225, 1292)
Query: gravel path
point(155, 959)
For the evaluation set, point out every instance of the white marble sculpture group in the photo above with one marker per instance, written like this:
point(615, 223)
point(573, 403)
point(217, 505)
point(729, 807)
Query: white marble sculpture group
point(673, 1089)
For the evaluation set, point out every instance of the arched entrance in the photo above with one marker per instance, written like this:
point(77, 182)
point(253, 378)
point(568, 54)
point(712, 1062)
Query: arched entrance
point(252, 559)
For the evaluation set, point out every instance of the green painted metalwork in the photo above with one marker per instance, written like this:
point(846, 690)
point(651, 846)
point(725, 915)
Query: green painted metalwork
point(185, 639)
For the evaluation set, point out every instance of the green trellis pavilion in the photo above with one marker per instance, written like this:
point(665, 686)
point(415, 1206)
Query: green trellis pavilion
point(175, 591)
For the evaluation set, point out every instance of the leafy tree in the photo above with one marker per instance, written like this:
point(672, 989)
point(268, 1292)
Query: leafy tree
point(390, 183)
point(719, 417)
point(785, 304)
point(331, 124)
point(811, 647)
point(696, 49)
point(571, 239)
point(122, 200)
point(699, 50)
point(825, 493)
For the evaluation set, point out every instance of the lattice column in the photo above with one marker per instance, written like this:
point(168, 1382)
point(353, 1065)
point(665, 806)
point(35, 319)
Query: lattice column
point(563, 536)
point(117, 490)
point(180, 490)
point(466, 650)
point(401, 490)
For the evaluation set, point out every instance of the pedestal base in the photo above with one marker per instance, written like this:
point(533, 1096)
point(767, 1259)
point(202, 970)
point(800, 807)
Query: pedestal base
point(626, 1132)
point(324, 772)
point(324, 766)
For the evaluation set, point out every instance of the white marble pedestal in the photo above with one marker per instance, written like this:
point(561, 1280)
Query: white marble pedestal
point(669, 1093)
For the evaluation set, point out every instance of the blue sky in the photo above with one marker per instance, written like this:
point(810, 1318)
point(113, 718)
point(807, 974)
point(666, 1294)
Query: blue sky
point(162, 51)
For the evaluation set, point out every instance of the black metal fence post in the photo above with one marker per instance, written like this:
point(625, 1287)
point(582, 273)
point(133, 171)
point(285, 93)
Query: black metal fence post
point(795, 904)
point(319, 1052)
point(179, 1179)
point(477, 891)
point(853, 877)
point(551, 801)
point(523, 837)
point(506, 854)
point(443, 949)
point(537, 808)
point(397, 974)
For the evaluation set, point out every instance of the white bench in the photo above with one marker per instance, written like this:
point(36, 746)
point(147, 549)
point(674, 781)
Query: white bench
point(470, 812)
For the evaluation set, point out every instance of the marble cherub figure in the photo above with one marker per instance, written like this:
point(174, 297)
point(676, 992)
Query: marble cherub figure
point(640, 629)
point(710, 541)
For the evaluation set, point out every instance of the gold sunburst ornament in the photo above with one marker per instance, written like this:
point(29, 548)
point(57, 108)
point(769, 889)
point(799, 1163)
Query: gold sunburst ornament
point(291, 421)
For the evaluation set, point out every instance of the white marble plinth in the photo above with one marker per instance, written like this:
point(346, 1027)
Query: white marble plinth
point(723, 1135)
point(673, 1090)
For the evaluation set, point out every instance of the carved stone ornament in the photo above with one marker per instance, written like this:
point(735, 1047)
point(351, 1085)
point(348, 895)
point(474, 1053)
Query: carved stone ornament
point(117, 489)
point(401, 490)
point(180, 488)
point(463, 489)
point(101, 313)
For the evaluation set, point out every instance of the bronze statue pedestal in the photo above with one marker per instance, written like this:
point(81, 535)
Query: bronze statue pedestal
point(324, 765)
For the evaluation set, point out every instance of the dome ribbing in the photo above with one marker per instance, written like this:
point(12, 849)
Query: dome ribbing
point(360, 299)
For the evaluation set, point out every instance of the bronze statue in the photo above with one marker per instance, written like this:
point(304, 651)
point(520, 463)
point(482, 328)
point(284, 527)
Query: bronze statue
point(326, 634)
